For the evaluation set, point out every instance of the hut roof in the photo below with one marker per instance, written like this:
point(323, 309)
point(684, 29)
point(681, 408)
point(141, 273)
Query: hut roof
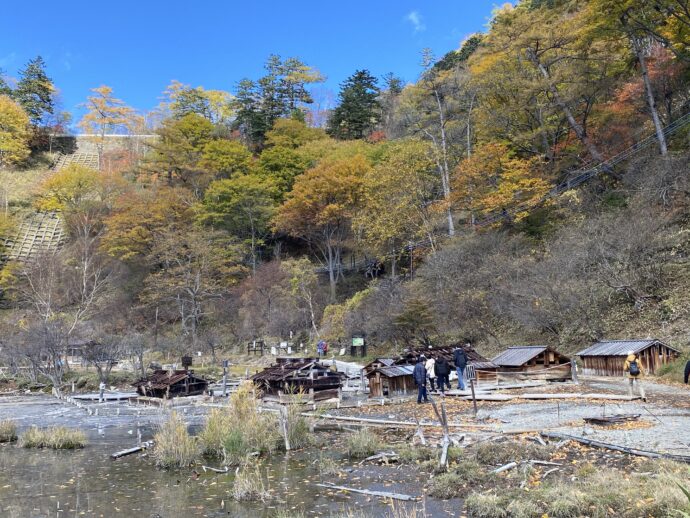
point(473, 357)
point(162, 379)
point(620, 347)
point(518, 355)
point(395, 371)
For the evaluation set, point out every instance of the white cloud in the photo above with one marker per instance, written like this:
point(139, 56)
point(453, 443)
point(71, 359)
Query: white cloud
point(416, 20)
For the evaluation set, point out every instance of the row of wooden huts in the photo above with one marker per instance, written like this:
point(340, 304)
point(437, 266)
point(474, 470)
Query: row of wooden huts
point(393, 376)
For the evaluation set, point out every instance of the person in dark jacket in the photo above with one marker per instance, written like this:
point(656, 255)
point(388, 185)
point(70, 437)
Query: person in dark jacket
point(442, 369)
point(419, 375)
point(687, 371)
point(460, 361)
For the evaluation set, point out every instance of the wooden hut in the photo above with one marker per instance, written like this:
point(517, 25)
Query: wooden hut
point(391, 380)
point(167, 384)
point(484, 369)
point(533, 362)
point(606, 358)
point(306, 376)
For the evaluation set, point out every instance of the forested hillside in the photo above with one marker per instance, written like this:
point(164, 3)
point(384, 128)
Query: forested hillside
point(414, 213)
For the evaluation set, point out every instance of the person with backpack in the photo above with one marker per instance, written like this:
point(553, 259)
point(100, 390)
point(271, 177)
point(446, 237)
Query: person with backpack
point(429, 366)
point(442, 368)
point(460, 361)
point(419, 375)
point(634, 369)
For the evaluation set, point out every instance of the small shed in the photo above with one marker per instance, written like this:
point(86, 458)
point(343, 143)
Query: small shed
point(607, 358)
point(175, 383)
point(540, 362)
point(289, 376)
point(391, 380)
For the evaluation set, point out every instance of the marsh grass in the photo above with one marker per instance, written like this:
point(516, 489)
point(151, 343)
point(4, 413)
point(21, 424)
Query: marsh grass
point(512, 451)
point(174, 448)
point(56, 438)
point(239, 429)
point(8, 431)
point(362, 443)
point(249, 484)
point(607, 492)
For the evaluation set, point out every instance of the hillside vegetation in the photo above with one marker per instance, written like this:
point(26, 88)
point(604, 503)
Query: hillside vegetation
point(414, 213)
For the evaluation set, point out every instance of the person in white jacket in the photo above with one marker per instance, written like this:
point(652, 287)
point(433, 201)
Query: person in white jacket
point(430, 363)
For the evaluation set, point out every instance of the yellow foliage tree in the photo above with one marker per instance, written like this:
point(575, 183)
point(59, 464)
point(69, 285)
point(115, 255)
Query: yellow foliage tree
point(14, 132)
point(492, 180)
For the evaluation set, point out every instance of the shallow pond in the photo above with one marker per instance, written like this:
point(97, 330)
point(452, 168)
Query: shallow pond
point(43, 483)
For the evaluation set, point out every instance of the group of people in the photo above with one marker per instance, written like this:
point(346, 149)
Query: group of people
point(437, 371)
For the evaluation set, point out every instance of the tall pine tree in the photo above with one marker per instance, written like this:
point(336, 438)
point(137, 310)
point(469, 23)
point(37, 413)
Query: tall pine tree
point(359, 111)
point(35, 91)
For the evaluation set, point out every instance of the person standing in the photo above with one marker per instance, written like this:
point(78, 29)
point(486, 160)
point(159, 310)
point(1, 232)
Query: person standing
point(419, 375)
point(460, 361)
point(634, 369)
point(429, 366)
point(442, 368)
point(687, 372)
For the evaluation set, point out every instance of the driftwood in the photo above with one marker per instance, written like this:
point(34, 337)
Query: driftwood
point(616, 447)
point(215, 470)
point(384, 456)
point(391, 423)
point(382, 494)
point(143, 446)
point(419, 434)
point(443, 419)
point(506, 467)
point(611, 420)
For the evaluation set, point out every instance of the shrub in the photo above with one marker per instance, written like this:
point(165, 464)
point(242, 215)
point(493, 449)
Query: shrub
point(173, 446)
point(57, 438)
point(328, 466)
point(214, 433)
point(8, 431)
point(249, 485)
point(298, 427)
point(454, 483)
point(486, 505)
point(362, 443)
point(240, 429)
point(411, 454)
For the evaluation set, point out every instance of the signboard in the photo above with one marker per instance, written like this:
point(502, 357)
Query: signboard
point(357, 341)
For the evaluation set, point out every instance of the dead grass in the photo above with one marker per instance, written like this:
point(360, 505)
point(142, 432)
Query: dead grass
point(494, 454)
point(362, 444)
point(457, 482)
point(174, 447)
point(328, 466)
point(8, 431)
point(249, 485)
point(239, 429)
point(607, 492)
point(56, 438)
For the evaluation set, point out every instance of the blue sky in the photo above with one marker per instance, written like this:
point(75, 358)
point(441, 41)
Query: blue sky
point(139, 47)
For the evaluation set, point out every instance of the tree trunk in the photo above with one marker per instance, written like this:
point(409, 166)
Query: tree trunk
point(575, 126)
point(651, 102)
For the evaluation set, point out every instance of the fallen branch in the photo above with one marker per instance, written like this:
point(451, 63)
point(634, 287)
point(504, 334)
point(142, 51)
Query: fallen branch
point(616, 447)
point(544, 463)
point(385, 456)
point(549, 472)
point(382, 494)
point(130, 451)
point(215, 470)
point(506, 467)
point(391, 423)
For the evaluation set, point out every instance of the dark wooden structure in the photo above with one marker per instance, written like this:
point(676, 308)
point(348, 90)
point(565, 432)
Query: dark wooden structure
point(607, 358)
point(256, 347)
point(390, 380)
point(393, 376)
point(532, 362)
point(299, 376)
point(485, 369)
point(168, 384)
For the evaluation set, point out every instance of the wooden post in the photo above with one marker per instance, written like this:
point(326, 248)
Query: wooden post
point(573, 371)
point(284, 426)
point(474, 397)
point(225, 377)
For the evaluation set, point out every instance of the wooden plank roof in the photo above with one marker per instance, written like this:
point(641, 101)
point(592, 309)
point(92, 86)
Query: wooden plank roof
point(621, 347)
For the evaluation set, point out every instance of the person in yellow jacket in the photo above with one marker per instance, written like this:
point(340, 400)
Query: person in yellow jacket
point(634, 369)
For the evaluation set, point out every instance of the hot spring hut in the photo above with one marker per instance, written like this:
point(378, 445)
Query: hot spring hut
point(606, 358)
